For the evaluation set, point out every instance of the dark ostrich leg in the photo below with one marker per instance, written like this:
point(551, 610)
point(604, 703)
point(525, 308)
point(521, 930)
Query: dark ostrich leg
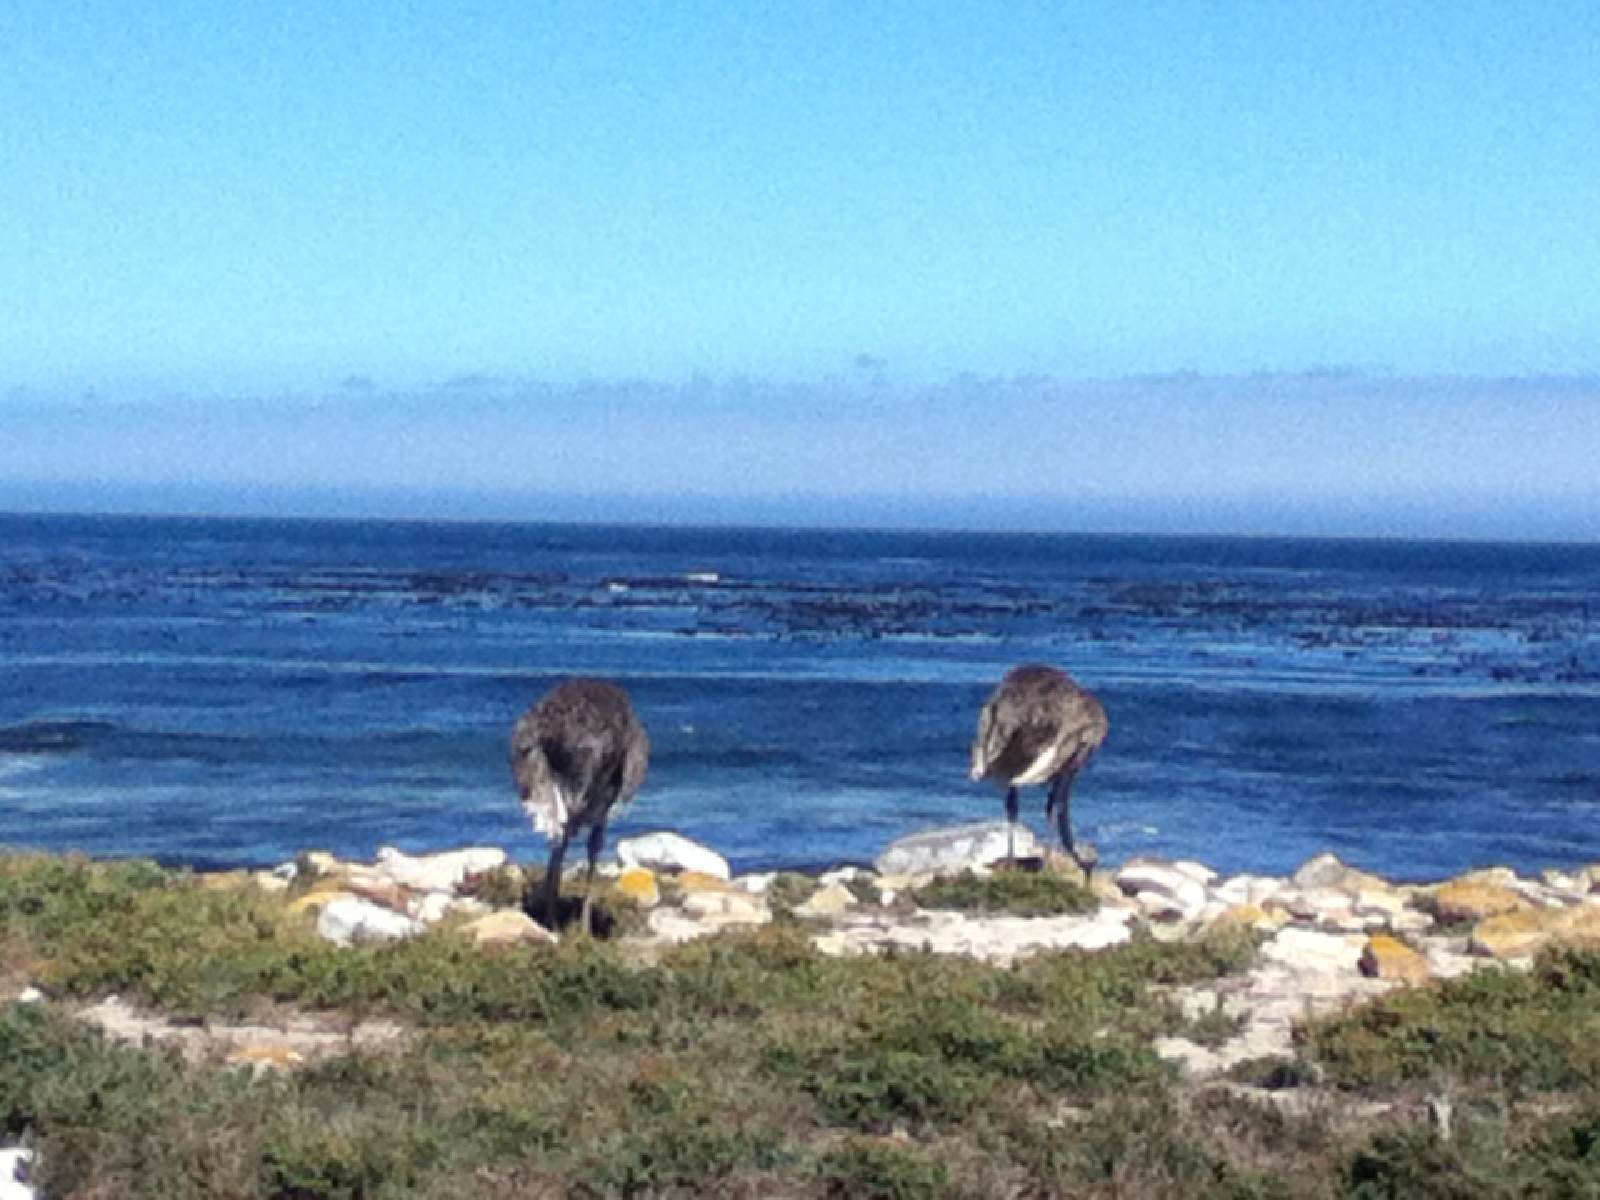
point(597, 842)
point(1011, 829)
point(1058, 809)
point(551, 894)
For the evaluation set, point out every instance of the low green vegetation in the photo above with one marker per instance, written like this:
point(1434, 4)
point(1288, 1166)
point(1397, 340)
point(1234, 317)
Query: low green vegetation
point(750, 1065)
point(1019, 893)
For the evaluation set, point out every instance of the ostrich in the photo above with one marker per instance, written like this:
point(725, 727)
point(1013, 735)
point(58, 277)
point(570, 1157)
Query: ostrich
point(576, 755)
point(1038, 725)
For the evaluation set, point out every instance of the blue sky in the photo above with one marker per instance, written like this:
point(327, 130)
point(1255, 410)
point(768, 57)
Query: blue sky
point(1328, 267)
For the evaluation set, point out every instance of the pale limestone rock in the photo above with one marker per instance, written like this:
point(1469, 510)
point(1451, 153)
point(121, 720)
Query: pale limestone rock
point(950, 851)
point(1385, 957)
point(1161, 890)
point(1410, 921)
point(1322, 870)
point(270, 881)
point(1312, 950)
point(1386, 904)
point(1564, 883)
point(16, 1167)
point(1197, 871)
point(1328, 871)
point(1248, 916)
point(345, 920)
point(729, 907)
point(1192, 1058)
point(673, 927)
point(30, 995)
point(431, 907)
point(1248, 889)
point(842, 875)
point(994, 939)
point(905, 883)
point(440, 872)
point(1493, 876)
point(758, 884)
point(827, 901)
point(664, 850)
point(506, 927)
point(1328, 903)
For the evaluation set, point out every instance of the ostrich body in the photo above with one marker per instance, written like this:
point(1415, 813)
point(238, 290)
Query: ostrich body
point(1038, 726)
point(577, 755)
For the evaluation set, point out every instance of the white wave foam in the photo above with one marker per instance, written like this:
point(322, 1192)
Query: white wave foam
point(13, 766)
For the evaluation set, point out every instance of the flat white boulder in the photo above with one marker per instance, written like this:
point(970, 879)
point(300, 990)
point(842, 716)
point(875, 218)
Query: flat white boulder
point(668, 851)
point(1164, 890)
point(441, 872)
point(1312, 950)
point(346, 920)
point(16, 1163)
point(1001, 940)
point(954, 849)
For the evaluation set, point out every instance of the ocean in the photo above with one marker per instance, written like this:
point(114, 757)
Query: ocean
point(222, 691)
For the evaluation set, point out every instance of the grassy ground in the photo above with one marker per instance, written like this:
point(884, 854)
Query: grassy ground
point(751, 1066)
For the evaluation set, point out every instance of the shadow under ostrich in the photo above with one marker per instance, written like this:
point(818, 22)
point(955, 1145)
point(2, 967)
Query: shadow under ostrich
point(577, 755)
point(1037, 726)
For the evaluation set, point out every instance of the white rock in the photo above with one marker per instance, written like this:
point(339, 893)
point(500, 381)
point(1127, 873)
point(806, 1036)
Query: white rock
point(1193, 1058)
point(673, 927)
point(827, 901)
point(665, 851)
point(1382, 904)
point(731, 906)
point(16, 1164)
point(432, 906)
point(954, 849)
point(1001, 940)
point(1162, 890)
point(438, 872)
point(1313, 950)
point(30, 995)
point(842, 875)
point(349, 919)
point(1248, 889)
point(758, 884)
point(1196, 871)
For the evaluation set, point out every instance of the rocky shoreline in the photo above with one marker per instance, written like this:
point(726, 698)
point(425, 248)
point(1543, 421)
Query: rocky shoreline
point(1326, 936)
point(1329, 934)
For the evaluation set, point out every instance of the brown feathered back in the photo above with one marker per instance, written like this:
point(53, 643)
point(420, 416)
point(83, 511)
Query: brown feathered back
point(577, 755)
point(1036, 723)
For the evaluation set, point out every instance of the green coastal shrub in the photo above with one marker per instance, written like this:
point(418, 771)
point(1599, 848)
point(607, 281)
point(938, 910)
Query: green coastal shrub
point(869, 1169)
point(1496, 1027)
point(1018, 893)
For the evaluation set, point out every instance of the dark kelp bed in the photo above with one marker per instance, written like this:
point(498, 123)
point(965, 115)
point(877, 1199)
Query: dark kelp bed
point(752, 1065)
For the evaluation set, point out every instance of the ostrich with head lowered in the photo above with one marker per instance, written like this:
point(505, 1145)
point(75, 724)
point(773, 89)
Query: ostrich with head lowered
point(577, 755)
point(1038, 726)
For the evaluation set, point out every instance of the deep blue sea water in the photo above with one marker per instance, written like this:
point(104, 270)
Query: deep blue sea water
point(218, 691)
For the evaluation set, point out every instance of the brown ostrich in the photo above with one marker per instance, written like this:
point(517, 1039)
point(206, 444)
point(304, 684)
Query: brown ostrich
point(1038, 726)
point(576, 755)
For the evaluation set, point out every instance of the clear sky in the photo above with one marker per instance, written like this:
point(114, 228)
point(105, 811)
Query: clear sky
point(1327, 266)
